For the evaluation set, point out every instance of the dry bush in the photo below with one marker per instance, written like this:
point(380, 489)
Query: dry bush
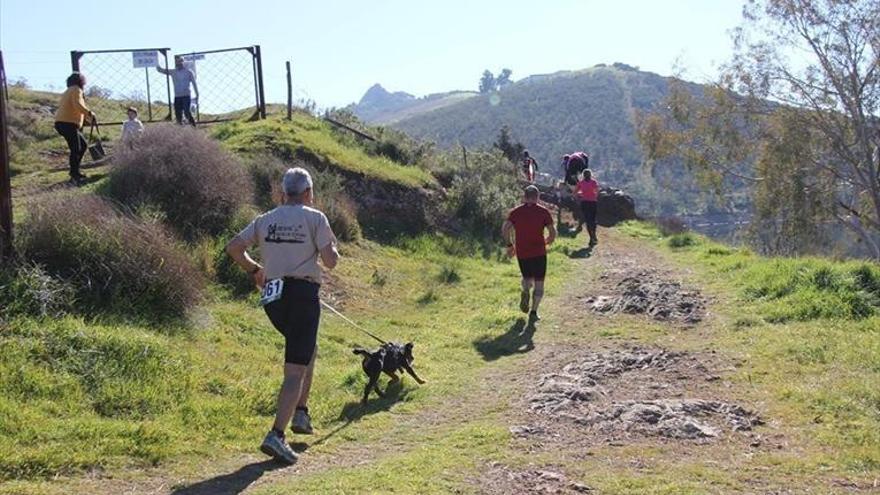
point(113, 261)
point(196, 184)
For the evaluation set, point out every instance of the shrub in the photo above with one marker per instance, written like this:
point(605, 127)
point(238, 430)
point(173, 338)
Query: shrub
point(482, 194)
point(113, 261)
point(226, 272)
point(449, 275)
point(266, 171)
point(186, 175)
point(682, 240)
point(341, 211)
point(27, 289)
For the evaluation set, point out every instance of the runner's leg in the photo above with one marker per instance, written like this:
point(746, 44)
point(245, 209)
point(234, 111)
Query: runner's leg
point(540, 272)
point(537, 295)
point(307, 384)
point(289, 394)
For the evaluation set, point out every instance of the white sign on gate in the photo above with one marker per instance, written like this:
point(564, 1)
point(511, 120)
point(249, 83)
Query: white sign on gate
point(145, 59)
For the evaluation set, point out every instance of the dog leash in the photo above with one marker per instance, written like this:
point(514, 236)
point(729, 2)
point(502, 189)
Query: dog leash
point(344, 318)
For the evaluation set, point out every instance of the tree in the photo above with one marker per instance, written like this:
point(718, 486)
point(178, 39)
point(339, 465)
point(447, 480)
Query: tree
point(810, 66)
point(503, 79)
point(511, 149)
point(487, 82)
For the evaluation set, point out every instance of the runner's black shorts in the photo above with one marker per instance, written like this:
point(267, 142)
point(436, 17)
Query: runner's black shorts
point(535, 268)
point(296, 316)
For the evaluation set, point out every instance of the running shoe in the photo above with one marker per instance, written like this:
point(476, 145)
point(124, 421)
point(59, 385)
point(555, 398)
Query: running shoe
point(301, 423)
point(275, 446)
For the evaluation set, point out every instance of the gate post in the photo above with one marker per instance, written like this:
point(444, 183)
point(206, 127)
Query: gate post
point(262, 102)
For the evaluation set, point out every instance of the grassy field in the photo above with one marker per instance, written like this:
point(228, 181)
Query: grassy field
point(809, 331)
point(305, 133)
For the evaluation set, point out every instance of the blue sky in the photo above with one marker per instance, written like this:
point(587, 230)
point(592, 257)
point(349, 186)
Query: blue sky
point(340, 48)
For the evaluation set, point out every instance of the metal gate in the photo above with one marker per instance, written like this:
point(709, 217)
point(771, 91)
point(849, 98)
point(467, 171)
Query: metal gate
point(230, 81)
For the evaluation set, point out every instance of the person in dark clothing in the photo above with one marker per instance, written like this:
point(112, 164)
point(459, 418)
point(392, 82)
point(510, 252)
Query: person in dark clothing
point(72, 112)
point(576, 164)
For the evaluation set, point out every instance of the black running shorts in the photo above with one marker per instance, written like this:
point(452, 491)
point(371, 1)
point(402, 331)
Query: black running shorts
point(535, 268)
point(296, 316)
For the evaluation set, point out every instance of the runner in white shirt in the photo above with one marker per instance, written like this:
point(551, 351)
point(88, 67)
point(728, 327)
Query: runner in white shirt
point(291, 239)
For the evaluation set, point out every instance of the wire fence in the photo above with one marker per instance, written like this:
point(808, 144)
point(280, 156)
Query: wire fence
point(5, 187)
point(229, 81)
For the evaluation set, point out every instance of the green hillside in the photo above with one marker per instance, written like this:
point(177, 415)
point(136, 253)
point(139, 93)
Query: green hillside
point(592, 109)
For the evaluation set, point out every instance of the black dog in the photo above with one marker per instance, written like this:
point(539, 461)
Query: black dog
point(390, 358)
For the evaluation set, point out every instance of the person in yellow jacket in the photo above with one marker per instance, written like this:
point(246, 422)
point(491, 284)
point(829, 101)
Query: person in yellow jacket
point(72, 112)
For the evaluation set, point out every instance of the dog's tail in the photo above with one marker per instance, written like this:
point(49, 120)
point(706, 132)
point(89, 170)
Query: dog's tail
point(362, 352)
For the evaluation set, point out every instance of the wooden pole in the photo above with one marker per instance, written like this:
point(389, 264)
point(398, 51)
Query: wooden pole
point(289, 93)
point(5, 186)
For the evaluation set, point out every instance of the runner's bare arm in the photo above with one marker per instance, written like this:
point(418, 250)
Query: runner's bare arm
point(552, 237)
point(237, 250)
point(330, 255)
point(506, 229)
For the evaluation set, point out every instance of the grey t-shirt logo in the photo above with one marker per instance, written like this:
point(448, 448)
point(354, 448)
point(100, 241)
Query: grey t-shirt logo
point(281, 234)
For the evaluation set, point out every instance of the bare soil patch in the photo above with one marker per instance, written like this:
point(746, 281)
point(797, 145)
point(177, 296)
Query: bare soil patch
point(636, 392)
point(502, 479)
point(649, 292)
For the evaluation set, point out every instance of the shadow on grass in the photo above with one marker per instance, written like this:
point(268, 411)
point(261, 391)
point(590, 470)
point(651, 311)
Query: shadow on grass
point(232, 483)
point(354, 411)
point(517, 340)
point(581, 253)
point(239, 480)
point(566, 230)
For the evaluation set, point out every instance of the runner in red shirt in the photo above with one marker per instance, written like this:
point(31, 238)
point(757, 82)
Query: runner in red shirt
point(528, 222)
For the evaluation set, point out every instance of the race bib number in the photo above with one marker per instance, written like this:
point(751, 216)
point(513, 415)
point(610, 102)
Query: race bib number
point(271, 291)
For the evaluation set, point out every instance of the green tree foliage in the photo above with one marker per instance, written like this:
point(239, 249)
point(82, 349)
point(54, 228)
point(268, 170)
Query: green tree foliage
point(805, 68)
point(511, 149)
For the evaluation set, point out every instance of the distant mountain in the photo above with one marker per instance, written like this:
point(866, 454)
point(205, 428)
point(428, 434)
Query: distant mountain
point(378, 106)
point(552, 114)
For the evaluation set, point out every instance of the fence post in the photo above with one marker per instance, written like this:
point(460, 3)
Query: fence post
point(168, 86)
point(289, 94)
point(5, 186)
point(262, 101)
point(74, 60)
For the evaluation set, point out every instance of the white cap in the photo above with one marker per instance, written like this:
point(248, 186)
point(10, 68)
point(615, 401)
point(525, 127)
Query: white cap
point(296, 181)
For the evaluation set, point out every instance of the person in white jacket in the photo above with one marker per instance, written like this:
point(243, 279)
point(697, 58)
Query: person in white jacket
point(132, 128)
